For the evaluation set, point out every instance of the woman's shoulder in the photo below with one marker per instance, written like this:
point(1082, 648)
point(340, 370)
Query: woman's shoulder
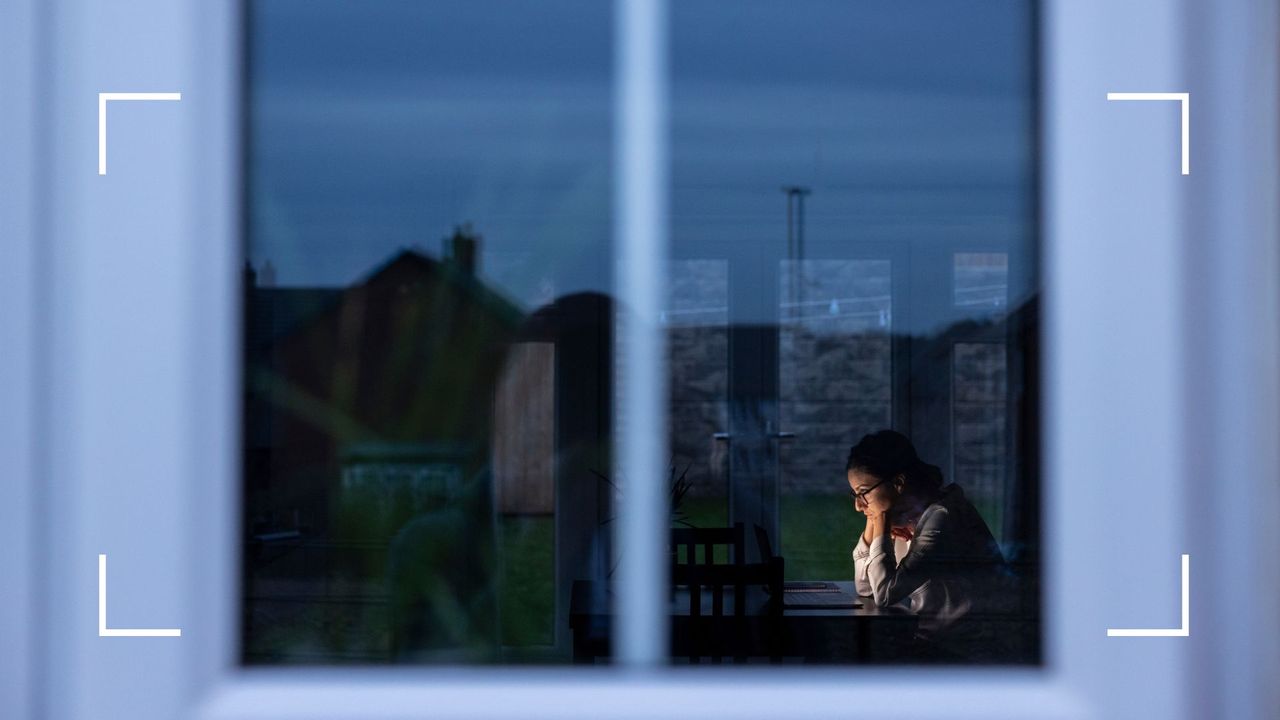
point(950, 506)
point(936, 517)
point(961, 518)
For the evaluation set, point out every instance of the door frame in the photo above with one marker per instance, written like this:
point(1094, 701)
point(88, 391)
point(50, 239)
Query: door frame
point(753, 277)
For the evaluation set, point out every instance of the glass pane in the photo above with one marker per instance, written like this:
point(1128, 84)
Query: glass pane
point(835, 381)
point(697, 322)
point(979, 421)
point(982, 281)
point(866, 176)
point(428, 331)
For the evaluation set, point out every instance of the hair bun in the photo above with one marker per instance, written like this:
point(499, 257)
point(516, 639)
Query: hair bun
point(887, 454)
point(926, 476)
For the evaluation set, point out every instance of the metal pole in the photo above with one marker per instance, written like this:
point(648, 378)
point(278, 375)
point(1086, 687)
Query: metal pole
point(795, 241)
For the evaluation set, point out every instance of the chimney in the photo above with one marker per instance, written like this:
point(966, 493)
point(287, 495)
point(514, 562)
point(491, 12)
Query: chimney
point(462, 249)
point(267, 277)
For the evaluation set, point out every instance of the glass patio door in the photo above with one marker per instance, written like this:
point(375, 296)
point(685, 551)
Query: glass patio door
point(836, 382)
point(722, 338)
point(777, 364)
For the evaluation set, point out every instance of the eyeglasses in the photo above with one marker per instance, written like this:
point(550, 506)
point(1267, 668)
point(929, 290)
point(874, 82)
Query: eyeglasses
point(862, 494)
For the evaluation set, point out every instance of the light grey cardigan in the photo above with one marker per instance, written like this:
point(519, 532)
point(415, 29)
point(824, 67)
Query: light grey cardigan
point(952, 569)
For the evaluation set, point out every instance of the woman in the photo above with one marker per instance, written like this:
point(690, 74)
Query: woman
point(952, 573)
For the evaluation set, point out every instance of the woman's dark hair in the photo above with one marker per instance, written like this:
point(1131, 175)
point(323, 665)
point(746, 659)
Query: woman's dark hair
point(886, 454)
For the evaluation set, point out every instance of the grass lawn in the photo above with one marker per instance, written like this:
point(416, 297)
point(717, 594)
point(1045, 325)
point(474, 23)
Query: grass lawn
point(526, 596)
point(818, 535)
point(818, 532)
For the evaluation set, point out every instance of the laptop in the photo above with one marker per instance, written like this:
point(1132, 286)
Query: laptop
point(800, 594)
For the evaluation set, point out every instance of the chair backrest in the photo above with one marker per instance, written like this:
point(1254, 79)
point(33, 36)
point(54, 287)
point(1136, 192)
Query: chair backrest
point(737, 578)
point(690, 539)
point(763, 544)
point(748, 628)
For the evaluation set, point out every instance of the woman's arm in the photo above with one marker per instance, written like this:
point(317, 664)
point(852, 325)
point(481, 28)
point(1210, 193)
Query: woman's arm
point(878, 526)
point(861, 555)
point(892, 581)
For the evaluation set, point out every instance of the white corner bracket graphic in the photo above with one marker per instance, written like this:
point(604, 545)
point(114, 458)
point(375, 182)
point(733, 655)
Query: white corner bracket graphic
point(1185, 630)
point(103, 630)
point(103, 99)
point(1185, 99)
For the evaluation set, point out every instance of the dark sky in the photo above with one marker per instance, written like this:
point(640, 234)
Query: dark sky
point(380, 125)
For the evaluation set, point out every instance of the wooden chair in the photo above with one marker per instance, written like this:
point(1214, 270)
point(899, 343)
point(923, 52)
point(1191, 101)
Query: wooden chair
point(762, 543)
point(750, 627)
point(690, 539)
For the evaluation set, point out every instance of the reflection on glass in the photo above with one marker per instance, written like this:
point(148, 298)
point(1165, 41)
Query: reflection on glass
point(428, 330)
point(982, 280)
point(864, 175)
point(979, 418)
point(835, 380)
point(697, 345)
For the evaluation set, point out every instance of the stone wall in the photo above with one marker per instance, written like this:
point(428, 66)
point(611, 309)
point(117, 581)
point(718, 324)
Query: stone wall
point(835, 379)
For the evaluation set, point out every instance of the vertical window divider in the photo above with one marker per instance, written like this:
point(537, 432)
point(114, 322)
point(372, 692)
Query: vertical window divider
point(640, 234)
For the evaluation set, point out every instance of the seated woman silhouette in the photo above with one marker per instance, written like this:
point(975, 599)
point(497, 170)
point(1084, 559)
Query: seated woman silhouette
point(952, 573)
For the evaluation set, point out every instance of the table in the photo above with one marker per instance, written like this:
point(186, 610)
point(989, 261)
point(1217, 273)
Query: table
point(810, 635)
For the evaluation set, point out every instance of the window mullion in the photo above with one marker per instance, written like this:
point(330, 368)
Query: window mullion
point(641, 234)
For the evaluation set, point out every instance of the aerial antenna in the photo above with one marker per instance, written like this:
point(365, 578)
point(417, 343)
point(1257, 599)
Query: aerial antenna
point(795, 239)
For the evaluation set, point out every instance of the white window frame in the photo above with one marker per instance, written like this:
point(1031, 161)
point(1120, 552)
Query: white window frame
point(19, 294)
point(1137, 259)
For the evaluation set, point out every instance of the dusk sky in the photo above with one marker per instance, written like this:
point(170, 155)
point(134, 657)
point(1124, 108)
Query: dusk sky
point(381, 125)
